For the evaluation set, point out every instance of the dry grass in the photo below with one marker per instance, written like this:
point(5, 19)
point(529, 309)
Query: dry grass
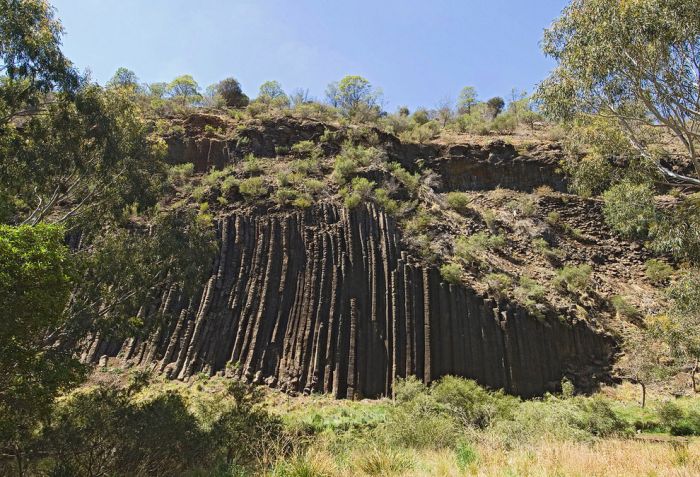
point(606, 458)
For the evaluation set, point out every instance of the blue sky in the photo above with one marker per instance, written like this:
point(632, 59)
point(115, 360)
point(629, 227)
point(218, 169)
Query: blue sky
point(418, 52)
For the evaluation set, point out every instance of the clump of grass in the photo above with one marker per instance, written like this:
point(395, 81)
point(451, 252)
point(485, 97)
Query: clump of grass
point(358, 191)
point(498, 283)
point(543, 248)
point(420, 222)
point(575, 279)
point(252, 188)
point(469, 248)
point(553, 218)
point(251, 165)
point(228, 184)
point(383, 462)
point(624, 308)
point(305, 166)
point(658, 272)
point(451, 273)
point(524, 206)
point(177, 175)
point(490, 220)
point(458, 200)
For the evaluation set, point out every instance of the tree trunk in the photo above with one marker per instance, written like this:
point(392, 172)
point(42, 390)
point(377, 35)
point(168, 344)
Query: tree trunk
point(693, 374)
point(644, 394)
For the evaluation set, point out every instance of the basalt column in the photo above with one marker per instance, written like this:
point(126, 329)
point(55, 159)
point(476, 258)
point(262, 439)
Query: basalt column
point(325, 300)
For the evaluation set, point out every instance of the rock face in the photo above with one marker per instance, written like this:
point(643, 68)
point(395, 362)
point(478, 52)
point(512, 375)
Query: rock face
point(461, 167)
point(325, 300)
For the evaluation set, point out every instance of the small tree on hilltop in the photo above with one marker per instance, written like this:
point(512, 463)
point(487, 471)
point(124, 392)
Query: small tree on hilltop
point(467, 100)
point(353, 94)
point(494, 106)
point(232, 94)
point(184, 89)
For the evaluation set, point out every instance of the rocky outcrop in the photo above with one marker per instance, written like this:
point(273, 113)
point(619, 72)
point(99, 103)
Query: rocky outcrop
point(460, 166)
point(325, 300)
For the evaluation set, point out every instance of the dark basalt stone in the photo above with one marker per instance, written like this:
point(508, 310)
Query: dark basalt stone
point(324, 300)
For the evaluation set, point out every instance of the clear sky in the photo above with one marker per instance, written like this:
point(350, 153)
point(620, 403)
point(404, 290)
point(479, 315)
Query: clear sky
point(419, 52)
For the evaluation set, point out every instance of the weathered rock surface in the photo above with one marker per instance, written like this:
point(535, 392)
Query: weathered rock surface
point(325, 300)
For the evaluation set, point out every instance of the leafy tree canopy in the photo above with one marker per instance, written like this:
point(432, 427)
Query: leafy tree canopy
point(352, 94)
point(636, 61)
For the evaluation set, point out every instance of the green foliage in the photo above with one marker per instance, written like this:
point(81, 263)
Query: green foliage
point(467, 100)
point(469, 248)
point(494, 106)
point(36, 276)
point(230, 91)
point(553, 217)
point(252, 165)
point(410, 181)
point(451, 273)
point(679, 421)
point(524, 206)
point(253, 188)
point(418, 223)
point(184, 89)
point(272, 94)
point(678, 230)
point(657, 271)
point(384, 200)
point(177, 175)
point(498, 283)
point(505, 123)
point(350, 160)
point(529, 293)
point(624, 308)
point(384, 462)
point(458, 201)
point(572, 278)
point(629, 208)
point(353, 95)
point(604, 71)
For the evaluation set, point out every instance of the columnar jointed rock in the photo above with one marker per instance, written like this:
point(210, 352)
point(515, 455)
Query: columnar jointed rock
point(325, 300)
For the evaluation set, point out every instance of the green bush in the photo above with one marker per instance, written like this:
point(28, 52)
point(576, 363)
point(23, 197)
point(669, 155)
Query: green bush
point(524, 206)
point(623, 308)
point(629, 209)
point(573, 278)
point(657, 271)
point(229, 183)
point(343, 168)
point(410, 181)
point(420, 222)
point(177, 175)
point(468, 248)
point(451, 273)
point(471, 404)
point(458, 200)
point(678, 421)
point(251, 165)
point(303, 201)
point(498, 283)
point(352, 200)
point(553, 218)
point(381, 197)
point(505, 123)
point(252, 188)
point(466, 455)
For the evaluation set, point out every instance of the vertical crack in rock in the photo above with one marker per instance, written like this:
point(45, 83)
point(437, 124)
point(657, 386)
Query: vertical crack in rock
point(325, 300)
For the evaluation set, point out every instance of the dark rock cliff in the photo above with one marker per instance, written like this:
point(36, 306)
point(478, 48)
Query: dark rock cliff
point(325, 300)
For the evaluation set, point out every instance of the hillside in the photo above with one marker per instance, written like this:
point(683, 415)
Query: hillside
point(348, 259)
